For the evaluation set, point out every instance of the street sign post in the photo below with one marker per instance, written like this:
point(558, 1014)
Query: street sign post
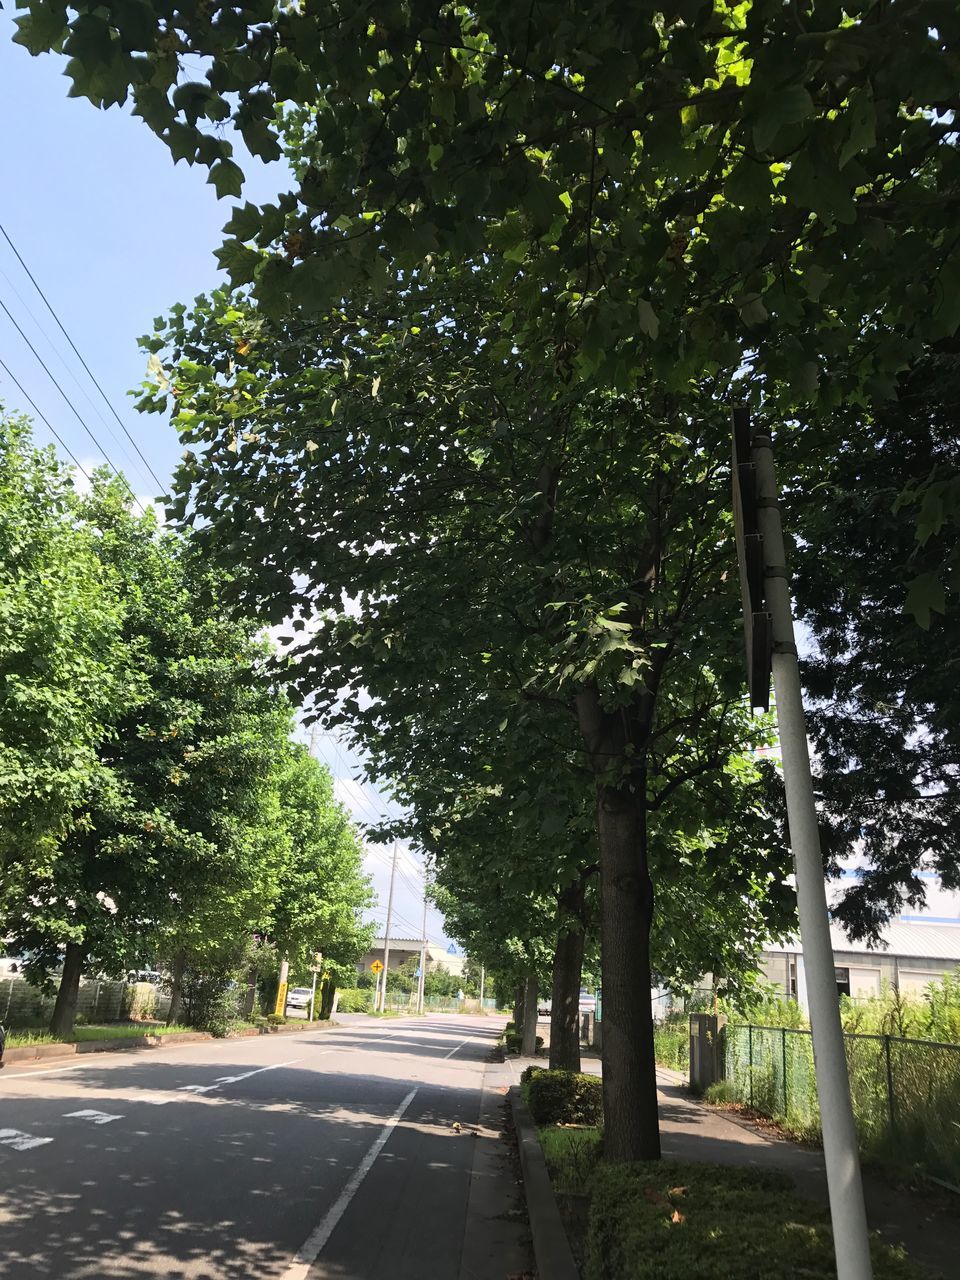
point(771, 649)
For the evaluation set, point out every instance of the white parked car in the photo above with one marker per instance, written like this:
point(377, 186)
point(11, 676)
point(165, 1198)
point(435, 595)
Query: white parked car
point(587, 1004)
point(298, 998)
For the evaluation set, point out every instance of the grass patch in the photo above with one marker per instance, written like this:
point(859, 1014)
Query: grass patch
point(572, 1154)
point(666, 1221)
point(122, 1031)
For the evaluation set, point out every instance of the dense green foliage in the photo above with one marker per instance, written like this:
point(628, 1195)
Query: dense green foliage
point(59, 650)
point(671, 1039)
point(563, 1097)
point(886, 717)
point(678, 186)
point(698, 1221)
point(461, 421)
point(181, 818)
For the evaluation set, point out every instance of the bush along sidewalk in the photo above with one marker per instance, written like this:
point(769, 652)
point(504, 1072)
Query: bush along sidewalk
point(512, 1040)
point(667, 1221)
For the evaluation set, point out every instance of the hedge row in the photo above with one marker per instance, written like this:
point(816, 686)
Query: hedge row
point(663, 1221)
point(563, 1097)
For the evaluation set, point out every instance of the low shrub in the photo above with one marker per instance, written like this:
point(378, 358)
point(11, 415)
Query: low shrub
point(721, 1091)
point(355, 1000)
point(671, 1042)
point(513, 1042)
point(276, 1020)
point(664, 1221)
point(564, 1097)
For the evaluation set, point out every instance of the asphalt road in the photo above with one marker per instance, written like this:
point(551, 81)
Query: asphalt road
point(329, 1154)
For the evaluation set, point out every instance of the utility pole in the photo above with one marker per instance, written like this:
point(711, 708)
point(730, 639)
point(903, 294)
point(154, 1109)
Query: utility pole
point(483, 973)
point(423, 954)
point(841, 1154)
point(317, 962)
point(386, 937)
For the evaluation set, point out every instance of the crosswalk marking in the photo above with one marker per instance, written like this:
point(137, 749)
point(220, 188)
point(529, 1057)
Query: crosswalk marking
point(21, 1141)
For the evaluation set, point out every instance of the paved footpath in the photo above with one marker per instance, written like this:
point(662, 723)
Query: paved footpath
point(331, 1155)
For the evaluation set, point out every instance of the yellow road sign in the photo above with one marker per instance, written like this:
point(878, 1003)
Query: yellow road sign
point(377, 966)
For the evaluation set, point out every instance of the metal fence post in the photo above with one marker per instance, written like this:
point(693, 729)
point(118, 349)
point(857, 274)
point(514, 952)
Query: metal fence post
point(890, 1103)
point(750, 1052)
point(783, 1063)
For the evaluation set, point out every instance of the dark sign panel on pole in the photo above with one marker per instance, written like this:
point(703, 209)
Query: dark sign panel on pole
point(756, 618)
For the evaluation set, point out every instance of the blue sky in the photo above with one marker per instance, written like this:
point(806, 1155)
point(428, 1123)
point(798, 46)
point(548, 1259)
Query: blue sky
point(115, 234)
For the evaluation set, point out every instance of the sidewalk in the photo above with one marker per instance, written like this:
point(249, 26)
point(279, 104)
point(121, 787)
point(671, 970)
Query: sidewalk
point(928, 1226)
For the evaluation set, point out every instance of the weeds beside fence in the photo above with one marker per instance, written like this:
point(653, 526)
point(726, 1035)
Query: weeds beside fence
point(671, 1042)
point(905, 1092)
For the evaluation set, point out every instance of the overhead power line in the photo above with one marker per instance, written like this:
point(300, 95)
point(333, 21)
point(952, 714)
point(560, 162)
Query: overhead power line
point(43, 418)
point(72, 407)
point(33, 280)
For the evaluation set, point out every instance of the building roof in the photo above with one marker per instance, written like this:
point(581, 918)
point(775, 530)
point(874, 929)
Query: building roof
point(929, 941)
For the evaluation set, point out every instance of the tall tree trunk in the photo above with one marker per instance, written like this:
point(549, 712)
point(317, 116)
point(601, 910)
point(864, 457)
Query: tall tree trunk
point(528, 1046)
point(176, 988)
point(631, 1119)
point(565, 1000)
point(65, 1008)
point(518, 1007)
point(326, 998)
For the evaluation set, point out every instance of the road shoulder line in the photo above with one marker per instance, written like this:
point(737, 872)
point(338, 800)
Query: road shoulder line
point(311, 1248)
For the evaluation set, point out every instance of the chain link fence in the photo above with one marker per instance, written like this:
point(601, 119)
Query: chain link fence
point(905, 1093)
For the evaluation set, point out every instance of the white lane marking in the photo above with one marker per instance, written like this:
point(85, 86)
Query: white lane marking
point(459, 1046)
point(46, 1071)
point(208, 1088)
point(21, 1141)
point(310, 1250)
point(95, 1117)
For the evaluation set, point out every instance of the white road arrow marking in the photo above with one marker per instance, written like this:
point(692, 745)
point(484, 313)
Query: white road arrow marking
point(95, 1117)
point(208, 1088)
point(21, 1141)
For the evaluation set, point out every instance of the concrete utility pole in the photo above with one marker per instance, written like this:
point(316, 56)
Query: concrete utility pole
point(483, 974)
point(423, 956)
point(833, 1086)
point(386, 936)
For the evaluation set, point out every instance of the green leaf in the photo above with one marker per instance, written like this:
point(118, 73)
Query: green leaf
point(788, 106)
point(861, 125)
point(227, 177)
point(647, 319)
point(925, 594)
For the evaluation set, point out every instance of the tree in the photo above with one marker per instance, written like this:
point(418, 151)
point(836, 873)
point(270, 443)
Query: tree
point(570, 550)
point(323, 891)
point(59, 649)
point(760, 180)
point(886, 717)
point(175, 839)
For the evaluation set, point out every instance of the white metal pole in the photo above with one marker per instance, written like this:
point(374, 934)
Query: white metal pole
point(386, 936)
point(313, 994)
point(840, 1150)
point(482, 976)
point(423, 956)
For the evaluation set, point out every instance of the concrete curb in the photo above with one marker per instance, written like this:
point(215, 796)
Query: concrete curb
point(38, 1052)
point(550, 1246)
